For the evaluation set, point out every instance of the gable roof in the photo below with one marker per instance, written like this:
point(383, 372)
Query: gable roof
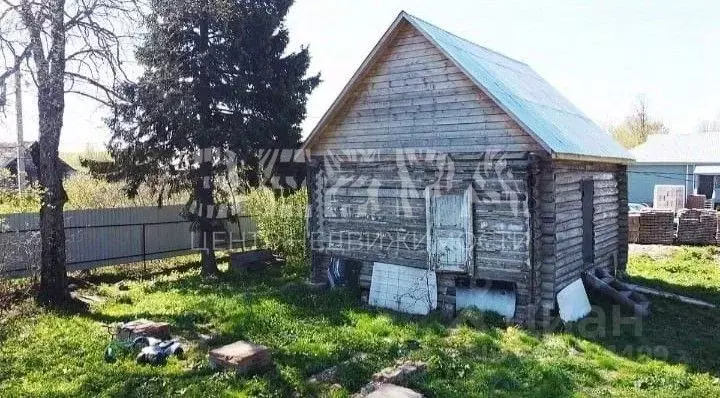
point(8, 152)
point(695, 148)
point(8, 155)
point(562, 129)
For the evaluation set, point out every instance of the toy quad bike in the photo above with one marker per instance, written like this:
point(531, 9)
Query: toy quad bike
point(156, 352)
point(152, 351)
point(118, 347)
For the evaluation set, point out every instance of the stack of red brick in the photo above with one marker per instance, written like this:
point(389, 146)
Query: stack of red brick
point(634, 227)
point(695, 202)
point(657, 227)
point(697, 226)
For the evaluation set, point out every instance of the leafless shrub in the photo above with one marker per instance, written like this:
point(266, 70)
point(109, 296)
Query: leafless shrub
point(19, 255)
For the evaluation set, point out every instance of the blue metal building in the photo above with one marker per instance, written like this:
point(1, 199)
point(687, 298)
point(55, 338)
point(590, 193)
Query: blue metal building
point(691, 160)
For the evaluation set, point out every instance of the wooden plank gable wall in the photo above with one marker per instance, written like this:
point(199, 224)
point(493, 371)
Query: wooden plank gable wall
point(414, 97)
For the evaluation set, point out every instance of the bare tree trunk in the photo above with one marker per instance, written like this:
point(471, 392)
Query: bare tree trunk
point(53, 273)
point(51, 107)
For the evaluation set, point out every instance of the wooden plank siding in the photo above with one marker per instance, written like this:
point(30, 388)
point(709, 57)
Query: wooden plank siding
point(414, 97)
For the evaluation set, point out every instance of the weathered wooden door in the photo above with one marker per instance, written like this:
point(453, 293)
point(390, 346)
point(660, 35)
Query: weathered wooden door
point(449, 231)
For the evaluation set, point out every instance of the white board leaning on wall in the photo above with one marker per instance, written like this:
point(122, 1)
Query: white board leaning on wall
point(404, 289)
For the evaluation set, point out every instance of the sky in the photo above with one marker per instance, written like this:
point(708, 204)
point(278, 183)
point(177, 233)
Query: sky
point(600, 54)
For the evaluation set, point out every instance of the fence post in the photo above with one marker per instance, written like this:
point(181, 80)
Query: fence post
point(242, 233)
point(143, 252)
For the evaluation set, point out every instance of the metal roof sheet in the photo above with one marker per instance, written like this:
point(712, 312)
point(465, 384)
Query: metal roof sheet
point(695, 148)
point(707, 170)
point(547, 115)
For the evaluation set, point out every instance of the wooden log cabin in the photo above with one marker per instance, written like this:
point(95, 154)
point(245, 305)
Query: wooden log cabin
point(444, 157)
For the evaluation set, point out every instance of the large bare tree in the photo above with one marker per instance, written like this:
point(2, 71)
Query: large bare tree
point(72, 47)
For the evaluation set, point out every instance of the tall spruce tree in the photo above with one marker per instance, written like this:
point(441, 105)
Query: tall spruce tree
point(217, 75)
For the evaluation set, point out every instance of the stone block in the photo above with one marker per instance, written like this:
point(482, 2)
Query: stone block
point(241, 356)
point(143, 328)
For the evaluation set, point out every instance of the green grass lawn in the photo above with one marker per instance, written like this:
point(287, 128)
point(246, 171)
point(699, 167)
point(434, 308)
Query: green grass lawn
point(672, 353)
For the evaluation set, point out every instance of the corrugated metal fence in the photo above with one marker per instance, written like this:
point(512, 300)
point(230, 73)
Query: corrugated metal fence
point(102, 237)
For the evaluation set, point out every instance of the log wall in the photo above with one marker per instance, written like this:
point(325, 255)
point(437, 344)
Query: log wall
point(532, 237)
point(544, 239)
point(623, 218)
point(371, 208)
point(609, 219)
